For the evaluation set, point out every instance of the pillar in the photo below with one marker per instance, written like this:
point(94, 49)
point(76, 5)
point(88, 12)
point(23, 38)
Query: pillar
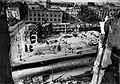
point(5, 67)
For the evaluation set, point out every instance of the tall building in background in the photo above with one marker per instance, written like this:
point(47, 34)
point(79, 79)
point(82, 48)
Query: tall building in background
point(37, 13)
point(72, 11)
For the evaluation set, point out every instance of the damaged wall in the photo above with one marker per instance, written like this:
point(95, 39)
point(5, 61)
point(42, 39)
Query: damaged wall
point(106, 66)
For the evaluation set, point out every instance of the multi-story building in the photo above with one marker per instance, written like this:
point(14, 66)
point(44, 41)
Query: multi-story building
point(73, 11)
point(67, 27)
point(36, 13)
point(70, 14)
point(103, 11)
point(113, 10)
point(63, 27)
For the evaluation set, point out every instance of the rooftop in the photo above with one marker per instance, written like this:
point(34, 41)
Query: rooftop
point(54, 9)
point(47, 9)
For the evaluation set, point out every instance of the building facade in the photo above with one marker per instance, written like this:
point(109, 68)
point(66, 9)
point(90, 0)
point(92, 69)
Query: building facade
point(41, 14)
point(104, 11)
point(68, 27)
point(73, 11)
point(63, 27)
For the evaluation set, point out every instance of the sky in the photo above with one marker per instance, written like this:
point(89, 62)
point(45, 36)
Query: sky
point(86, 0)
point(81, 0)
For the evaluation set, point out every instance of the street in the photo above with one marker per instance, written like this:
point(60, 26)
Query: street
point(52, 76)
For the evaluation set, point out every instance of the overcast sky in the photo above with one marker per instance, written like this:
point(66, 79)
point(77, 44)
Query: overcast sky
point(81, 0)
point(86, 0)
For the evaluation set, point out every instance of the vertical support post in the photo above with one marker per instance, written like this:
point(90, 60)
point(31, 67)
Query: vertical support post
point(5, 66)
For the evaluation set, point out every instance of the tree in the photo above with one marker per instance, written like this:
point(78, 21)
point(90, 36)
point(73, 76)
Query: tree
point(88, 15)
